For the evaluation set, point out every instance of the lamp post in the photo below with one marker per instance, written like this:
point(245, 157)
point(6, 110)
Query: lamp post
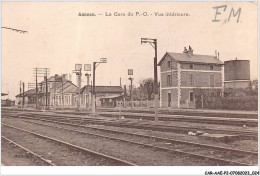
point(102, 60)
point(131, 72)
point(87, 67)
point(153, 43)
point(78, 68)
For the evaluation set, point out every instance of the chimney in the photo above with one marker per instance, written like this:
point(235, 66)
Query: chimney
point(190, 51)
point(185, 50)
point(218, 55)
point(69, 77)
point(64, 76)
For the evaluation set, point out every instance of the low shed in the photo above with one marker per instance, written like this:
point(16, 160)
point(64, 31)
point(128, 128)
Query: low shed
point(111, 101)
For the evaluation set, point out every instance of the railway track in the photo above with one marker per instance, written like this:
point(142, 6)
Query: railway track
point(202, 113)
point(181, 118)
point(171, 118)
point(139, 125)
point(172, 141)
point(118, 161)
point(33, 154)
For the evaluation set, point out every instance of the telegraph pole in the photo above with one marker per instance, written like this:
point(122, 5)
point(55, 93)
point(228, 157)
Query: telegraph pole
point(46, 82)
point(20, 91)
point(78, 71)
point(102, 60)
point(131, 91)
point(79, 86)
point(62, 93)
point(36, 90)
point(93, 92)
point(23, 94)
point(153, 43)
point(40, 72)
point(131, 72)
point(87, 100)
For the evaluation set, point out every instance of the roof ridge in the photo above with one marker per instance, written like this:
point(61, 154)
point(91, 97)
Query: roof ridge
point(194, 54)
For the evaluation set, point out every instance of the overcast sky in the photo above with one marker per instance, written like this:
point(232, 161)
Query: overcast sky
point(58, 38)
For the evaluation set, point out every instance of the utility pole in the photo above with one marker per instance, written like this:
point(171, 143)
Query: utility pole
point(131, 91)
point(62, 93)
point(131, 72)
point(23, 94)
point(79, 86)
point(78, 71)
point(153, 43)
point(36, 90)
point(93, 91)
point(40, 72)
point(20, 91)
point(46, 82)
point(54, 103)
point(87, 100)
point(102, 60)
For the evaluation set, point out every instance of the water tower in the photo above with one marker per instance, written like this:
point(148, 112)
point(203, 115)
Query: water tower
point(237, 74)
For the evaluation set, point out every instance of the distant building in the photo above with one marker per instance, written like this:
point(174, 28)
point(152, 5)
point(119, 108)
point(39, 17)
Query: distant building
point(60, 91)
point(237, 74)
point(29, 98)
point(182, 73)
point(104, 95)
point(6, 102)
point(57, 87)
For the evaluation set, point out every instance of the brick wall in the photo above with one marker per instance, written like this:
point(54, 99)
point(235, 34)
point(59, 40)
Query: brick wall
point(200, 67)
point(201, 79)
point(174, 103)
point(164, 79)
point(164, 64)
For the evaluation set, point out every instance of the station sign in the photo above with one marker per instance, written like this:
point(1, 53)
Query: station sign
point(78, 67)
point(130, 72)
point(87, 67)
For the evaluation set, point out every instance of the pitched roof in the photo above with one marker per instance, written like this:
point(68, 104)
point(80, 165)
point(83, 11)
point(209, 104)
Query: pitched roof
point(83, 88)
point(108, 89)
point(192, 58)
point(4, 94)
point(68, 87)
point(104, 89)
point(28, 92)
point(58, 79)
point(112, 97)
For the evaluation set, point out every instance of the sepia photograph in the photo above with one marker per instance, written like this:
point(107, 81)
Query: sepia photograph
point(130, 84)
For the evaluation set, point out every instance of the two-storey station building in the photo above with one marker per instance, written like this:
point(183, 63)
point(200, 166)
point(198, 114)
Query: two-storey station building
point(182, 73)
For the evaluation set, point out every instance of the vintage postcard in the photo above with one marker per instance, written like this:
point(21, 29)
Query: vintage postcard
point(129, 84)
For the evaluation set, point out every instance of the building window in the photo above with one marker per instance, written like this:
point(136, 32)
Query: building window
point(191, 96)
point(191, 79)
point(211, 80)
point(218, 94)
point(191, 66)
point(65, 100)
point(169, 80)
point(211, 67)
point(169, 64)
point(212, 94)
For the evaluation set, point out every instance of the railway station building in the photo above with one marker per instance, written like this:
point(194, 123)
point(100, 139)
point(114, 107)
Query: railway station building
point(184, 73)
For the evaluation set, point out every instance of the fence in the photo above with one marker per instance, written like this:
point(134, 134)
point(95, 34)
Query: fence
point(139, 103)
point(249, 103)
